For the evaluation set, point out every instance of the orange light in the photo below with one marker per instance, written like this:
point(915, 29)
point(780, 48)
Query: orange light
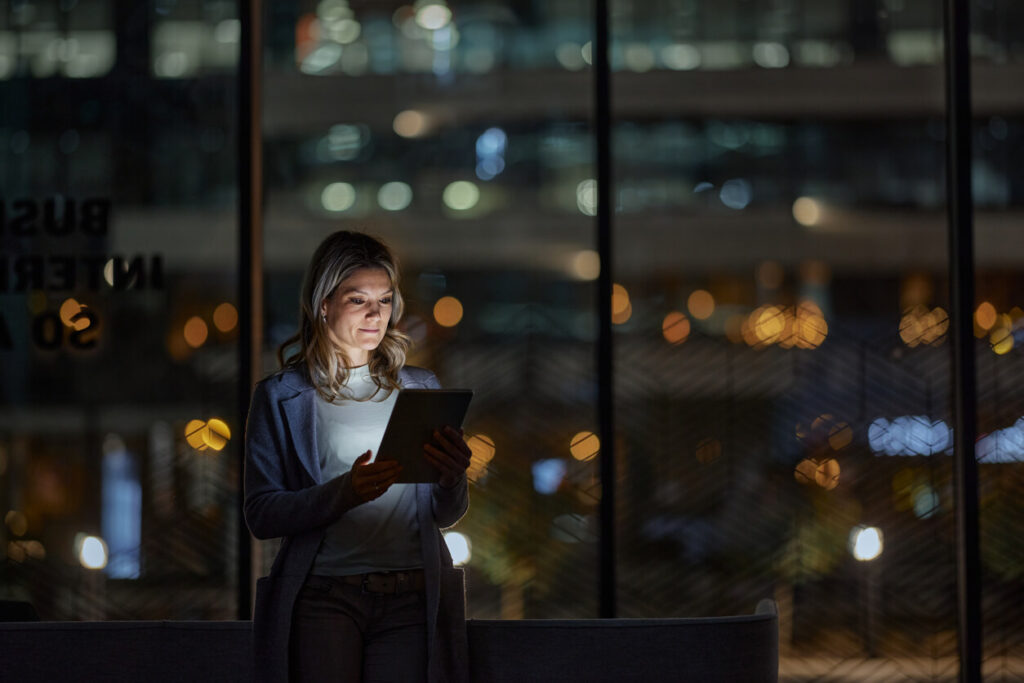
point(201, 435)
point(448, 311)
point(701, 304)
point(675, 328)
point(827, 474)
point(620, 299)
point(810, 327)
point(911, 327)
point(225, 317)
point(482, 448)
point(985, 316)
point(840, 436)
point(1001, 340)
point(584, 446)
point(194, 435)
point(196, 332)
point(71, 315)
point(769, 324)
point(805, 471)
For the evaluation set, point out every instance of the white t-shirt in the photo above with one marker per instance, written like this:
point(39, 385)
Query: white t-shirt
point(382, 534)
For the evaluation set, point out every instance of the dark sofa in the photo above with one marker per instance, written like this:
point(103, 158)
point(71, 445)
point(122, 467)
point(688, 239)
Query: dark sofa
point(741, 649)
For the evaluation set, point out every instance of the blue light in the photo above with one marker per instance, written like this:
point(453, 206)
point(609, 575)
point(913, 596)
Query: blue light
point(490, 153)
point(491, 142)
point(489, 168)
point(736, 193)
point(548, 475)
point(121, 515)
point(909, 435)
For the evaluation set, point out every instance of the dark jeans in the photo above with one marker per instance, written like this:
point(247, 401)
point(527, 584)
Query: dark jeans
point(341, 633)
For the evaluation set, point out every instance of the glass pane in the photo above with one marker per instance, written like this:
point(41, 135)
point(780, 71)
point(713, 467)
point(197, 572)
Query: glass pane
point(452, 132)
point(998, 178)
point(782, 376)
point(118, 454)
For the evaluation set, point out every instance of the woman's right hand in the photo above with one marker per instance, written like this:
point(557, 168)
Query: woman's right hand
point(371, 479)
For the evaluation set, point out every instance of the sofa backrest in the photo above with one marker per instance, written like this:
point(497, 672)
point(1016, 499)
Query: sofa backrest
point(718, 649)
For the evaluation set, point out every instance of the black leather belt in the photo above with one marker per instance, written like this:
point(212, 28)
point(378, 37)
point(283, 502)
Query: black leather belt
point(389, 583)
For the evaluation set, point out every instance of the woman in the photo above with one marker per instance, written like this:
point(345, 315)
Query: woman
point(363, 587)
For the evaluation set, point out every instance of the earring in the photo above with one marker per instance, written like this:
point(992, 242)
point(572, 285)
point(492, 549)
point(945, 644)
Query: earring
point(324, 318)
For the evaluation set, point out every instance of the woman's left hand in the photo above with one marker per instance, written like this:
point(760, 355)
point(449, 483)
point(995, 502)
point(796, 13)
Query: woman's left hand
point(450, 455)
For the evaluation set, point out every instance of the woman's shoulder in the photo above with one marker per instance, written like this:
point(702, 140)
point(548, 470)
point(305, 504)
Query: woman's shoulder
point(413, 377)
point(285, 380)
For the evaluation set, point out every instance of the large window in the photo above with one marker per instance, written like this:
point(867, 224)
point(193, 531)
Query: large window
point(780, 310)
point(118, 323)
point(431, 127)
point(783, 301)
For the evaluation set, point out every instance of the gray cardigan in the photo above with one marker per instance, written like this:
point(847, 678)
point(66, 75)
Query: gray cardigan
point(285, 497)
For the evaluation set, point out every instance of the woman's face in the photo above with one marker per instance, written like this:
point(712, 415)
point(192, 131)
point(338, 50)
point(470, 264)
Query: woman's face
point(358, 312)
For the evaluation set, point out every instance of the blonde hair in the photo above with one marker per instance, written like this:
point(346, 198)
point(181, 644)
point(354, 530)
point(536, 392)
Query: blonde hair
point(337, 258)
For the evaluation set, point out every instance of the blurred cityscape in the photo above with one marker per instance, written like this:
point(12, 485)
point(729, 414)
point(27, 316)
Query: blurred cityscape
point(782, 376)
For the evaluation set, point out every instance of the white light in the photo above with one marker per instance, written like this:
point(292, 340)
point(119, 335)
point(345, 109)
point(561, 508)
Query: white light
point(333, 10)
point(459, 547)
point(394, 196)
point(108, 272)
point(344, 31)
point(807, 211)
point(433, 16)
point(638, 57)
point(866, 543)
point(92, 552)
point(587, 52)
point(411, 123)
point(228, 31)
point(322, 58)
point(171, 65)
point(680, 57)
point(771, 55)
point(569, 55)
point(586, 197)
point(461, 195)
point(338, 197)
point(586, 264)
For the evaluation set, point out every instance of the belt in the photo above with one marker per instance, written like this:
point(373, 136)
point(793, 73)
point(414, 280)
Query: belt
point(390, 583)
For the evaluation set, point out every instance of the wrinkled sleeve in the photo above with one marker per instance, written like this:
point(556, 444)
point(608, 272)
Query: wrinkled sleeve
point(271, 509)
point(450, 504)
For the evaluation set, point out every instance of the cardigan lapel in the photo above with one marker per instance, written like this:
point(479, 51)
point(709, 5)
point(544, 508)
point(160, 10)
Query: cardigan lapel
point(301, 414)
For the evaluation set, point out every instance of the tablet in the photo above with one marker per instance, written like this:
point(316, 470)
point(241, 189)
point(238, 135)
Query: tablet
point(417, 413)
